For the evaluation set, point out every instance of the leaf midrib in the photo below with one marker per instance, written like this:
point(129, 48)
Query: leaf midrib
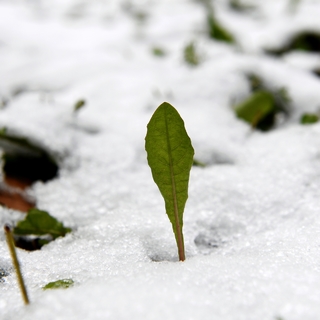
point(173, 181)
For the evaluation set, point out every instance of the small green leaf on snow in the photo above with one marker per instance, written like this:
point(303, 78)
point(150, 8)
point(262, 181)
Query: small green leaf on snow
point(79, 105)
point(39, 222)
point(59, 284)
point(170, 157)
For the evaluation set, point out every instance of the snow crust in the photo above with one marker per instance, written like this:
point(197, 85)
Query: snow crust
point(251, 223)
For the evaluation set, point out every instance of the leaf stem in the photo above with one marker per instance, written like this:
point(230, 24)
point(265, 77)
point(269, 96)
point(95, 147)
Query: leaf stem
point(16, 264)
point(180, 242)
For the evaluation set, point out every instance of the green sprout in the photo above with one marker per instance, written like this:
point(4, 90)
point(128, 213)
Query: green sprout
point(170, 157)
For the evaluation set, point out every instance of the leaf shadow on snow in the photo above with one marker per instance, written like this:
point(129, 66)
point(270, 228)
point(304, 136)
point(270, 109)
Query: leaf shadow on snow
point(218, 157)
point(88, 128)
point(160, 249)
point(209, 156)
point(5, 270)
point(211, 236)
point(205, 237)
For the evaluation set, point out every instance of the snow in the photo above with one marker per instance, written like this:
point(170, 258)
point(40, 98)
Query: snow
point(251, 223)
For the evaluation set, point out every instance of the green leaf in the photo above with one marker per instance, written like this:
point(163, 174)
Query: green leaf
point(59, 284)
point(309, 118)
point(3, 131)
point(39, 222)
point(302, 41)
point(170, 157)
point(190, 54)
point(217, 31)
point(257, 107)
point(79, 105)
point(279, 109)
point(197, 163)
point(159, 52)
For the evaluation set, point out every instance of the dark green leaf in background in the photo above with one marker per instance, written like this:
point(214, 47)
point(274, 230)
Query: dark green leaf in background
point(256, 107)
point(309, 118)
point(159, 52)
point(304, 40)
point(217, 31)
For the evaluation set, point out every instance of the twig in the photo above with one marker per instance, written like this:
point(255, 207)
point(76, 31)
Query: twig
point(16, 264)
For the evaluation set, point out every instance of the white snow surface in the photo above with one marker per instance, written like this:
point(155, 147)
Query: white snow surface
point(251, 223)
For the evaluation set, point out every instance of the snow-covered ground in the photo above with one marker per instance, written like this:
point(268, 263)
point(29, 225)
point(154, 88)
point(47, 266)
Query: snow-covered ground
point(251, 223)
